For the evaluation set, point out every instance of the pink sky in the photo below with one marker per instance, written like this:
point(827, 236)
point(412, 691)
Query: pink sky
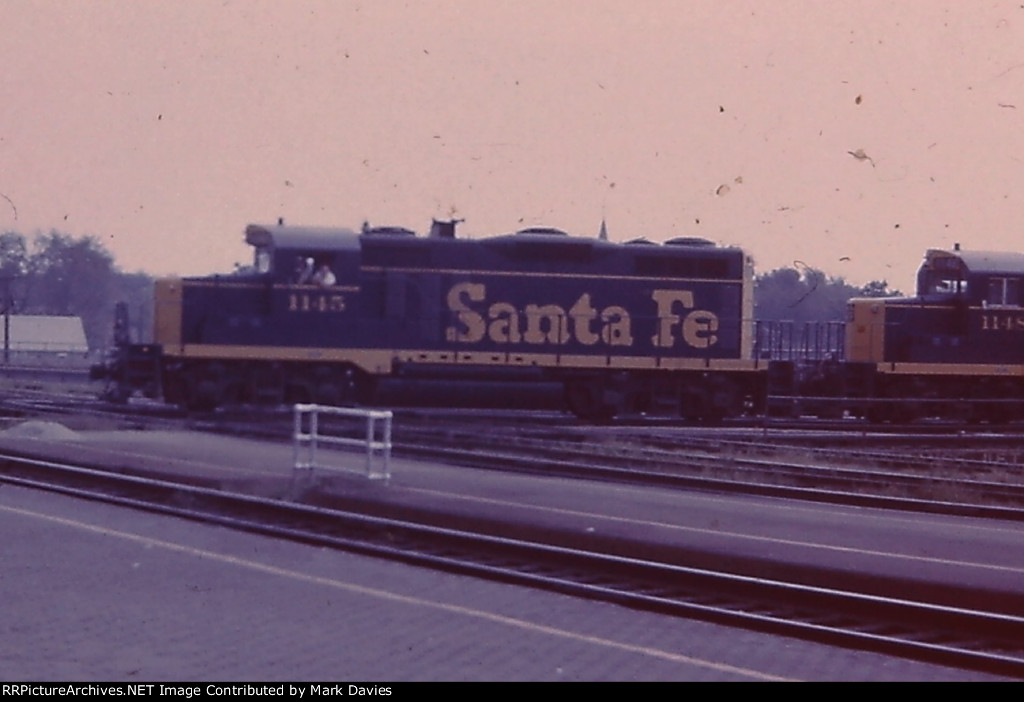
point(163, 128)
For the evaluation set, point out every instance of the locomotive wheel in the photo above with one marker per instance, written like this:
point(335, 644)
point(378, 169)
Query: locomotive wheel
point(267, 384)
point(329, 387)
point(116, 393)
point(341, 386)
point(584, 398)
point(906, 412)
point(879, 413)
point(193, 388)
point(996, 411)
point(204, 396)
point(709, 400)
point(692, 404)
point(364, 387)
point(895, 412)
point(297, 392)
point(695, 407)
point(993, 413)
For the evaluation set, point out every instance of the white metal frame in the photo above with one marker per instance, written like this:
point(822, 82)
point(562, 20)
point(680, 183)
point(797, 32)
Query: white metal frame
point(314, 438)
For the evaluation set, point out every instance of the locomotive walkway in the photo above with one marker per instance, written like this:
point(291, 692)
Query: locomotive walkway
point(851, 541)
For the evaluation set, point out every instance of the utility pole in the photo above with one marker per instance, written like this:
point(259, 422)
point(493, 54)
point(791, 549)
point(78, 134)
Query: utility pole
point(8, 302)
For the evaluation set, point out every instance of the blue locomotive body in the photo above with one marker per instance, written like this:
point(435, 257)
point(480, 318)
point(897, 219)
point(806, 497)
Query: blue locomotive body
point(325, 312)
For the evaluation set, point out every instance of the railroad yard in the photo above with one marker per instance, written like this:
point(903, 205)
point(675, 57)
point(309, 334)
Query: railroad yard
point(505, 545)
point(693, 351)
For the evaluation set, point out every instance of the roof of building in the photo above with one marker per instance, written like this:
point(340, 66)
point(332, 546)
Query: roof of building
point(45, 333)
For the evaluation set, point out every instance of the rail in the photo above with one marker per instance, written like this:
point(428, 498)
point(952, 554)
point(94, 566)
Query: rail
point(375, 447)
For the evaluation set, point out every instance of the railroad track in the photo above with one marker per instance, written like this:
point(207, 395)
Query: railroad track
point(687, 460)
point(980, 638)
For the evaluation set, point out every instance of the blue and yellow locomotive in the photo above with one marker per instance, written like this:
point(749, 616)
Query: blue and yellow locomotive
point(324, 313)
point(955, 349)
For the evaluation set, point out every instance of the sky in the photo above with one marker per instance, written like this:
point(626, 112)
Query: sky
point(845, 135)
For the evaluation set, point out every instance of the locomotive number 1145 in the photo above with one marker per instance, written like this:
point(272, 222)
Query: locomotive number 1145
point(314, 302)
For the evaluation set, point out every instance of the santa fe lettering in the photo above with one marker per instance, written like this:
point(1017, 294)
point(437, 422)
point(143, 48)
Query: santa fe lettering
point(504, 323)
point(698, 326)
point(536, 324)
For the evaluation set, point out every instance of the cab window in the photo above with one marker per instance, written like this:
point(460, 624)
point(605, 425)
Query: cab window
point(262, 259)
point(1003, 292)
point(944, 285)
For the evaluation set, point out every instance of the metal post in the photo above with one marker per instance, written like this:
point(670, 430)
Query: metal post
point(314, 425)
point(296, 433)
point(387, 449)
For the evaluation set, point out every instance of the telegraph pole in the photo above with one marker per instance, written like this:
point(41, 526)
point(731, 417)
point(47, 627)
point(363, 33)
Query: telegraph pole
point(8, 302)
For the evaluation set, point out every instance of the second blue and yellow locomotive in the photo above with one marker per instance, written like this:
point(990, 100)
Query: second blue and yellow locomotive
point(954, 349)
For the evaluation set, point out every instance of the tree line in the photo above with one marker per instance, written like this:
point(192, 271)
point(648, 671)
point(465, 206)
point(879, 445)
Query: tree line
point(59, 274)
point(809, 295)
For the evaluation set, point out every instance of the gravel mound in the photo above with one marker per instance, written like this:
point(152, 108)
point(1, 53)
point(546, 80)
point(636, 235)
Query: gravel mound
point(36, 429)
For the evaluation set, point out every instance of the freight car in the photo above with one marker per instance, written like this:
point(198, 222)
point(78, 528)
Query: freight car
point(325, 313)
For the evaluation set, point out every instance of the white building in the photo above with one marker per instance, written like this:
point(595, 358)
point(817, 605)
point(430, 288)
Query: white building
point(41, 335)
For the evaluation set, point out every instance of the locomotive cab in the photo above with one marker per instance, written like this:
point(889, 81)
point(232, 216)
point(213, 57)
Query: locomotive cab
point(943, 277)
point(304, 255)
point(266, 334)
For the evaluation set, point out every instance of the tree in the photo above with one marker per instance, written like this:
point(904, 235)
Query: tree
point(71, 276)
point(879, 288)
point(65, 275)
point(13, 255)
point(801, 295)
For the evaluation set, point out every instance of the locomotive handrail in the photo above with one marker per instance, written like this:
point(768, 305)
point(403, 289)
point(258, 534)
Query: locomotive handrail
point(313, 438)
